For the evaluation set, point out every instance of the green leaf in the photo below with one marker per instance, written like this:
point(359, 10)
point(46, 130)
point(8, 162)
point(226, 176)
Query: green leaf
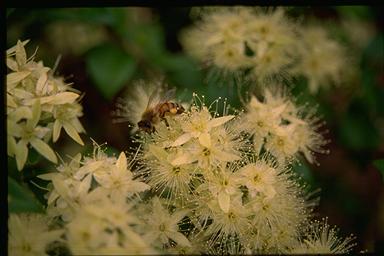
point(379, 164)
point(183, 71)
point(355, 12)
point(110, 69)
point(21, 199)
point(150, 37)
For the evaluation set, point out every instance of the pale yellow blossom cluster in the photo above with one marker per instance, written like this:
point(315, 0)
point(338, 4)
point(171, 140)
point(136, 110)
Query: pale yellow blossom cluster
point(321, 238)
point(200, 182)
point(322, 60)
point(30, 234)
point(202, 164)
point(264, 46)
point(188, 147)
point(39, 105)
point(85, 179)
point(283, 128)
point(96, 198)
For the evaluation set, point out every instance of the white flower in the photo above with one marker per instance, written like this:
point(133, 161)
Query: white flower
point(106, 226)
point(320, 238)
point(322, 63)
point(259, 177)
point(163, 176)
point(223, 184)
point(118, 181)
point(199, 125)
point(162, 226)
point(223, 148)
point(231, 223)
point(68, 196)
point(281, 144)
point(29, 234)
point(28, 132)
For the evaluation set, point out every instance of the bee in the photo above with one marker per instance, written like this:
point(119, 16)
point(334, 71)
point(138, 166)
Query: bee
point(157, 109)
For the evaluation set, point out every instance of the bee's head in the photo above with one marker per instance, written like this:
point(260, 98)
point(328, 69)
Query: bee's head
point(146, 126)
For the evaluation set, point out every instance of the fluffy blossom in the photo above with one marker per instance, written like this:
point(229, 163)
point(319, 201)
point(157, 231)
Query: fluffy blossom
point(72, 184)
point(106, 227)
point(240, 38)
point(281, 127)
point(321, 238)
point(264, 45)
point(163, 226)
point(29, 234)
point(322, 60)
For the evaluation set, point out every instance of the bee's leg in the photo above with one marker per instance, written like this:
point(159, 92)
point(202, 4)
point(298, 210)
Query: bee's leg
point(165, 121)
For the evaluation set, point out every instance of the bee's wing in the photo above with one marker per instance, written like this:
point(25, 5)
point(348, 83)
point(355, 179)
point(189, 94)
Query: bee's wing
point(169, 95)
point(154, 98)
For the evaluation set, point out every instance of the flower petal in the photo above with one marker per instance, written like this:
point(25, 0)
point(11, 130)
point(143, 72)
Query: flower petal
point(14, 78)
point(13, 49)
point(224, 201)
point(158, 152)
point(71, 131)
point(21, 55)
point(181, 140)
point(21, 113)
point(88, 168)
point(56, 130)
point(43, 149)
point(122, 162)
point(180, 239)
point(21, 153)
point(205, 140)
point(219, 121)
point(41, 83)
point(226, 157)
point(36, 113)
point(11, 64)
point(183, 159)
point(138, 186)
point(14, 128)
point(57, 99)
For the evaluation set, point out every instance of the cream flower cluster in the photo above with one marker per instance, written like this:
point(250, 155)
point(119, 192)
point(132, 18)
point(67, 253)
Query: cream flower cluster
point(230, 193)
point(202, 182)
point(281, 127)
point(85, 179)
point(96, 200)
point(264, 45)
point(94, 197)
point(39, 105)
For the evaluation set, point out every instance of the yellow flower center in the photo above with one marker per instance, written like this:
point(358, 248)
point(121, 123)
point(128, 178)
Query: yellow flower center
point(256, 178)
point(280, 142)
point(206, 152)
point(231, 215)
point(162, 227)
point(176, 170)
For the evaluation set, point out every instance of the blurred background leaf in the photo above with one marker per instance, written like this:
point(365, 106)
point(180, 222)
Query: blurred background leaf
point(110, 69)
point(21, 199)
point(380, 165)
